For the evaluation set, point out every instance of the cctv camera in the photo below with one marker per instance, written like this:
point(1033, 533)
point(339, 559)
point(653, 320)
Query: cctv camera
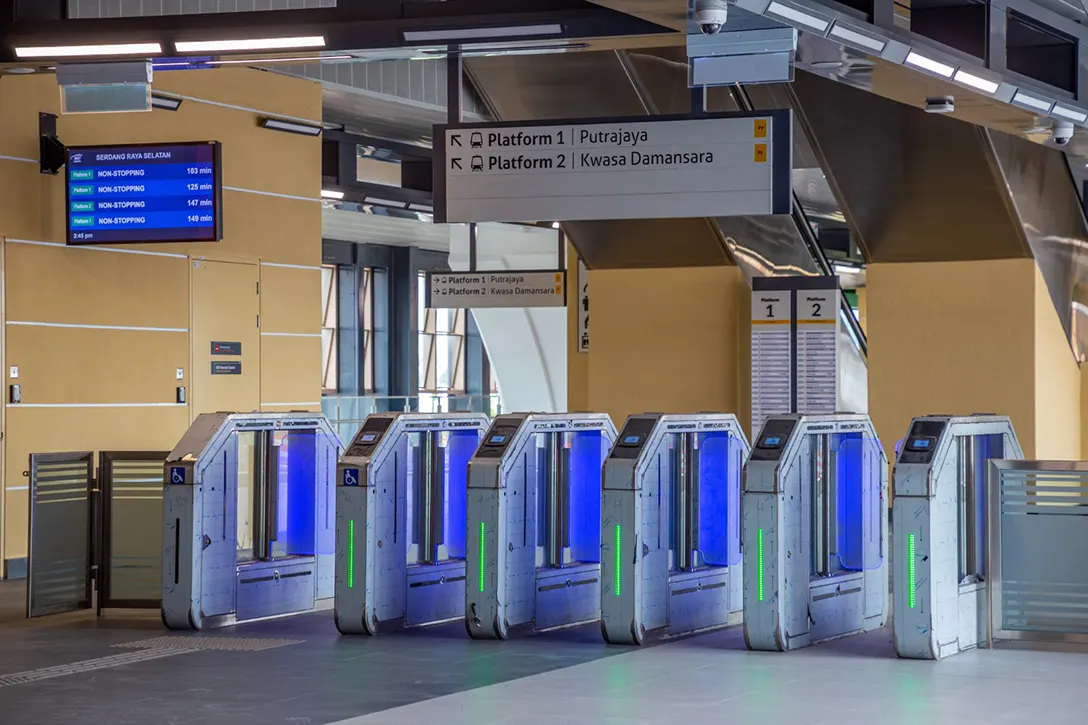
point(710, 15)
point(1062, 132)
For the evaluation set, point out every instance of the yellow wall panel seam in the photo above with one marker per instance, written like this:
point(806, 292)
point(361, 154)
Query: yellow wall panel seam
point(312, 268)
point(73, 325)
point(92, 248)
point(245, 109)
point(272, 193)
point(19, 159)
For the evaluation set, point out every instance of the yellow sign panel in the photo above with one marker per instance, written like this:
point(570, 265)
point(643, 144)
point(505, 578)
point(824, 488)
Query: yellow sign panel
point(761, 128)
point(761, 153)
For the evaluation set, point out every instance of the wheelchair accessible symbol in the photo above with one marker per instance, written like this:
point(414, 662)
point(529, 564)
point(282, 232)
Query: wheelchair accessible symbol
point(177, 474)
point(351, 476)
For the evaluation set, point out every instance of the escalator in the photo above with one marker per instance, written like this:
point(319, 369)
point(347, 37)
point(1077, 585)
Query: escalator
point(651, 82)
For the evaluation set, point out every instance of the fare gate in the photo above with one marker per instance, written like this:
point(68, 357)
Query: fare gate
point(940, 580)
point(110, 553)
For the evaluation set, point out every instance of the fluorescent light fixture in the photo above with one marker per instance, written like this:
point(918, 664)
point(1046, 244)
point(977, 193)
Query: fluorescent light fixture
point(1028, 101)
point(218, 46)
point(847, 35)
point(415, 206)
point(977, 82)
point(330, 194)
point(88, 51)
point(165, 103)
point(277, 124)
point(845, 268)
point(501, 31)
point(933, 66)
point(1069, 114)
point(786, 12)
point(555, 225)
point(384, 202)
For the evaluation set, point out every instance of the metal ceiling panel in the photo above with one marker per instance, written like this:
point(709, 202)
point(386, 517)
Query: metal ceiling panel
point(915, 186)
point(583, 85)
point(360, 227)
point(143, 8)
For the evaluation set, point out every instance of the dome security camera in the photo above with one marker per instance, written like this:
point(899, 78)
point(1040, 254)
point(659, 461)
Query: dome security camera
point(711, 15)
point(1062, 132)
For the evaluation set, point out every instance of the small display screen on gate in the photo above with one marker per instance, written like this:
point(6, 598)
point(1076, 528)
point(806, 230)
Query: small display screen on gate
point(631, 440)
point(369, 437)
point(771, 442)
point(496, 440)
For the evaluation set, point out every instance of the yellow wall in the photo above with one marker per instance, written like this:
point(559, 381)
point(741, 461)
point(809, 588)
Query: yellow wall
point(1057, 384)
point(668, 341)
point(969, 337)
point(89, 388)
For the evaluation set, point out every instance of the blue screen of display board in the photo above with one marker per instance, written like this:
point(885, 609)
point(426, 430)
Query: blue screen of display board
point(133, 194)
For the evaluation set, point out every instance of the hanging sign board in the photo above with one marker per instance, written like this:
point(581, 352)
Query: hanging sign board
point(466, 290)
point(668, 167)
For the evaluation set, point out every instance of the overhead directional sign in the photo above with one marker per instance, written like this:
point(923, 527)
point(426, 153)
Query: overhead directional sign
point(448, 290)
point(736, 164)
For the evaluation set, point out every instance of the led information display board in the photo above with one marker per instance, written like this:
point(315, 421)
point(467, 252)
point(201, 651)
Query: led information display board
point(145, 193)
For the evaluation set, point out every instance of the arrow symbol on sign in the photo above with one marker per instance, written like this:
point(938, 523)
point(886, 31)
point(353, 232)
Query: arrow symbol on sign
point(455, 163)
point(455, 139)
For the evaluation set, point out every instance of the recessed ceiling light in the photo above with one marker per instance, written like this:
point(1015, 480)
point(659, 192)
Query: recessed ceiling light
point(304, 129)
point(1029, 101)
point(330, 194)
point(217, 46)
point(1070, 114)
point(88, 51)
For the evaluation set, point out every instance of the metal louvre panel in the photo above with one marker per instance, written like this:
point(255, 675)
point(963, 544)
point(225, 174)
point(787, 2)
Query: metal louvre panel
point(131, 566)
point(145, 8)
point(60, 557)
point(1042, 522)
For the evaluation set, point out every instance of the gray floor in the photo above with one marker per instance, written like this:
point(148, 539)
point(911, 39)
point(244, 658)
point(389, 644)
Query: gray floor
point(299, 671)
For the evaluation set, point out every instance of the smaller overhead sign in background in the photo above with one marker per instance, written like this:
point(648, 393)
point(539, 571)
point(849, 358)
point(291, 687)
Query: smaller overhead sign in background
point(795, 334)
point(583, 307)
point(735, 164)
point(226, 348)
point(226, 368)
point(462, 290)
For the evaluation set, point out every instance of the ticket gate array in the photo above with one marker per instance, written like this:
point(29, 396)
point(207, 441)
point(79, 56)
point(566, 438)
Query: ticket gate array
point(534, 513)
point(400, 525)
point(670, 523)
point(814, 531)
point(939, 518)
point(248, 519)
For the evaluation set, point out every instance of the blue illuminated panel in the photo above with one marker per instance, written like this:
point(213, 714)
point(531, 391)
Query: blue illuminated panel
point(459, 449)
point(859, 504)
point(586, 457)
point(714, 513)
point(149, 193)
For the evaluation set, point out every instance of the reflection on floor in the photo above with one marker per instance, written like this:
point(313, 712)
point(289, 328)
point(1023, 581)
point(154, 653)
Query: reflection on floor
point(12, 600)
point(299, 671)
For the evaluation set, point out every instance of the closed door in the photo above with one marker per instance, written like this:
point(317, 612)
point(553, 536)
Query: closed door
point(226, 338)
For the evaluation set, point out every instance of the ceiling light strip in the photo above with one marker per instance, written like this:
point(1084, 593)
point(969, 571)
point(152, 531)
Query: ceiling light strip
point(1070, 114)
point(918, 60)
point(218, 46)
point(847, 35)
point(977, 82)
point(794, 15)
point(1026, 100)
point(89, 51)
point(458, 34)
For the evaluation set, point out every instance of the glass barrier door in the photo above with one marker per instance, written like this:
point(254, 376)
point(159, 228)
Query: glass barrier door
point(130, 561)
point(59, 563)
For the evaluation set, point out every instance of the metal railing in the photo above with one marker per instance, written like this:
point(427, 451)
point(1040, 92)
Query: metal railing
point(347, 412)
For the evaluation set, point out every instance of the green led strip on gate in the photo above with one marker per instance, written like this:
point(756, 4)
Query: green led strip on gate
point(351, 553)
point(910, 570)
point(616, 588)
point(482, 532)
point(759, 564)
